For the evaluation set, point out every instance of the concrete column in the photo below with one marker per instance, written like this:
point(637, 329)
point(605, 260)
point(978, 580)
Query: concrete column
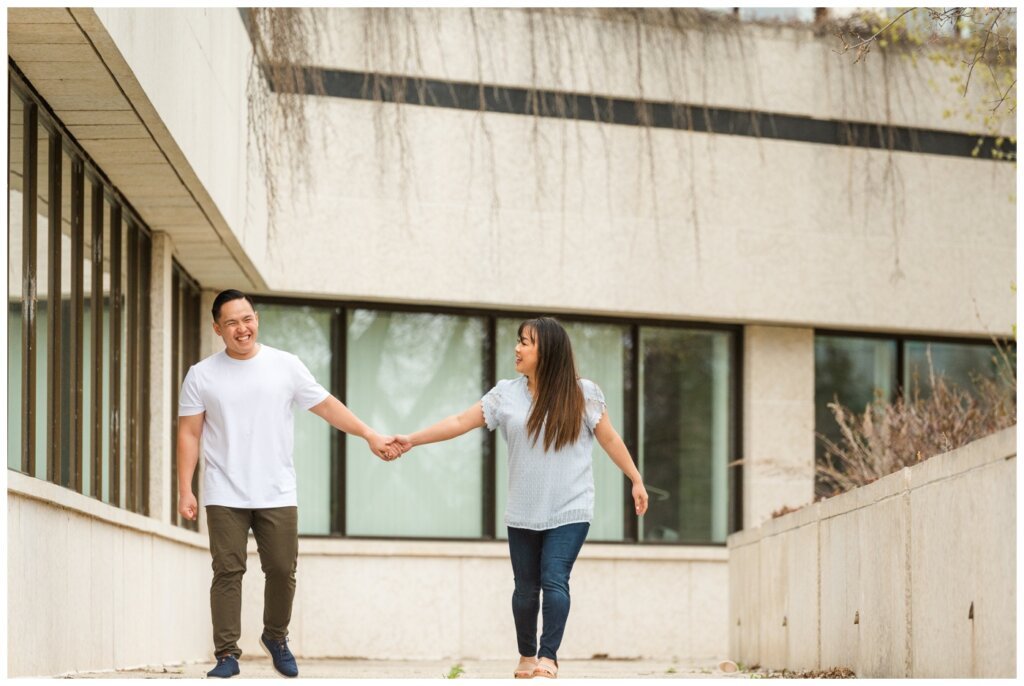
point(160, 366)
point(778, 420)
point(209, 342)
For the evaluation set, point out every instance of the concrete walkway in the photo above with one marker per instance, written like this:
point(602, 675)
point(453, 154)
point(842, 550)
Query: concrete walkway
point(260, 668)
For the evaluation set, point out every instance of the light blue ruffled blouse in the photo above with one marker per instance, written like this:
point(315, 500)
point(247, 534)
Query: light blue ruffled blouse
point(546, 489)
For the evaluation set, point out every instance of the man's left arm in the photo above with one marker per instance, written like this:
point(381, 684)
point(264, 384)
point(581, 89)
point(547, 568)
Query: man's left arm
point(334, 412)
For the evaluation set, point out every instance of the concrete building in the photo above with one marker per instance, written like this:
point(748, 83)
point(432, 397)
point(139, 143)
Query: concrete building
point(735, 222)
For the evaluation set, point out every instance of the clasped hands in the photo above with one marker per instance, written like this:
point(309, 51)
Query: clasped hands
point(389, 448)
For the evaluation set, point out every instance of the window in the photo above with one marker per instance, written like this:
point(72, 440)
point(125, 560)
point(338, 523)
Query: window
point(307, 331)
point(961, 363)
point(401, 371)
point(853, 371)
point(185, 319)
point(685, 430)
point(858, 370)
point(76, 398)
point(16, 345)
point(406, 370)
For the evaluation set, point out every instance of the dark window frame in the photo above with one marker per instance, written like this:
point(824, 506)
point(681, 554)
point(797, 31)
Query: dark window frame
point(630, 433)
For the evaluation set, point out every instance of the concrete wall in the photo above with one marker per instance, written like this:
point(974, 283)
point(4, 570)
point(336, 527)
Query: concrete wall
point(92, 587)
point(512, 211)
point(778, 420)
point(743, 65)
point(911, 576)
point(432, 600)
point(194, 65)
point(502, 210)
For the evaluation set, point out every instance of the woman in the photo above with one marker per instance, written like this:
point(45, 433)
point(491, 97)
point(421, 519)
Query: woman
point(549, 418)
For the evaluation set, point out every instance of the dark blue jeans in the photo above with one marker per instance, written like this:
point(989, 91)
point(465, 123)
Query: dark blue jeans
point(542, 560)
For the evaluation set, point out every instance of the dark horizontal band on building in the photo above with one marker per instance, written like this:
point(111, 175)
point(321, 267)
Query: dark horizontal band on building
point(338, 83)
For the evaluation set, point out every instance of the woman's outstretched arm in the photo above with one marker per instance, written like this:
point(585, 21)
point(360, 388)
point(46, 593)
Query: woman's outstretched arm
point(449, 427)
point(612, 443)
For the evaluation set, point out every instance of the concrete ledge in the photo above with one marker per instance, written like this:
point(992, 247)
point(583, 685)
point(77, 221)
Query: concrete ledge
point(322, 546)
point(910, 576)
point(58, 496)
point(996, 447)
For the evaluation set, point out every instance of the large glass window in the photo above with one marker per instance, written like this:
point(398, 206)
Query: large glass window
point(42, 279)
point(122, 324)
point(106, 368)
point(856, 371)
point(88, 380)
point(600, 351)
point(853, 371)
point(685, 433)
point(96, 360)
point(306, 332)
point(401, 371)
point(72, 418)
point(960, 363)
point(15, 257)
point(406, 371)
point(66, 378)
point(185, 320)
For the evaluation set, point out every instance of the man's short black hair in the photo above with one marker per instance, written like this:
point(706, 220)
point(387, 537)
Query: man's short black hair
point(226, 297)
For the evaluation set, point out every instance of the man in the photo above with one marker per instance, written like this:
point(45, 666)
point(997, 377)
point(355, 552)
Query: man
point(239, 401)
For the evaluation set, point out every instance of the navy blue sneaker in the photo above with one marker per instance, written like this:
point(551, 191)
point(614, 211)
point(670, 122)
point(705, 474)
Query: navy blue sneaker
point(284, 661)
point(227, 667)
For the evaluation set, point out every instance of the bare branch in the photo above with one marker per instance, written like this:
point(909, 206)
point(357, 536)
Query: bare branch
point(981, 52)
point(864, 45)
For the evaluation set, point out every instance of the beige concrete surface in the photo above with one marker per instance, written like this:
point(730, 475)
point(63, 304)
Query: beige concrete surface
point(778, 420)
point(260, 668)
point(964, 610)
point(608, 219)
point(915, 574)
point(140, 588)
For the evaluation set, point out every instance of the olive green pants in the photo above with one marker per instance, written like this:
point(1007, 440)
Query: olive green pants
point(277, 540)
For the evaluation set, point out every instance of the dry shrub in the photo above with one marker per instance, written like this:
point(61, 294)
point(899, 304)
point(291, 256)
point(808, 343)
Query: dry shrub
point(890, 436)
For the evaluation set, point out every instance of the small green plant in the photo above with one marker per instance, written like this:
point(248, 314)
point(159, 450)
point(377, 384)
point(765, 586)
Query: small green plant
point(670, 670)
point(455, 672)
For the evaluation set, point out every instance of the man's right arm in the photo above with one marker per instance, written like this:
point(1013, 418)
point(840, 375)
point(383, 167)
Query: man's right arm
point(190, 429)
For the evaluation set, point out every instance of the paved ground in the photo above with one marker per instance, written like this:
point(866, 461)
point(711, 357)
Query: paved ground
point(260, 668)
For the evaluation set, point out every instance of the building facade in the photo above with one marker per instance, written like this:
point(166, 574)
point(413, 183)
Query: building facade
point(735, 223)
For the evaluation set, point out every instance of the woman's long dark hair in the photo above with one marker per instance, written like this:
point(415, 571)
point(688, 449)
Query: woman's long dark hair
point(558, 404)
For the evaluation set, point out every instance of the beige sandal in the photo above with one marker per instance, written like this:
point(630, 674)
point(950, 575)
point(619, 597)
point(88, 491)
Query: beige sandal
point(524, 670)
point(548, 671)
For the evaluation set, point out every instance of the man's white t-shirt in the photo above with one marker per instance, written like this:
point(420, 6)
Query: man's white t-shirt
point(249, 431)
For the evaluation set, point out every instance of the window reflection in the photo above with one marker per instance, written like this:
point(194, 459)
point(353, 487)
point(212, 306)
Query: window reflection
point(960, 363)
point(406, 371)
point(306, 332)
point(854, 372)
point(42, 279)
point(685, 402)
point(15, 256)
point(67, 340)
point(89, 408)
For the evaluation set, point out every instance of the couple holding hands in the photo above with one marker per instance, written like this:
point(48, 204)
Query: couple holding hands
point(239, 401)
